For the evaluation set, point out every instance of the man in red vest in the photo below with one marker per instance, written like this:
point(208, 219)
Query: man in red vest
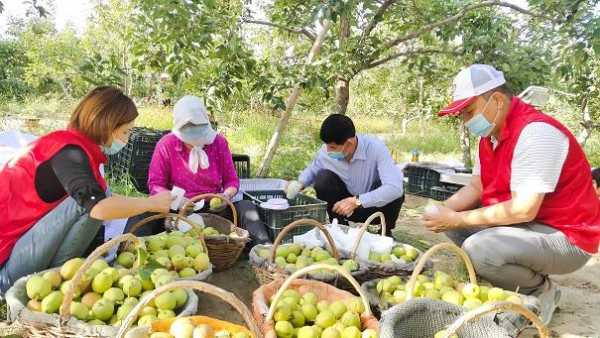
point(530, 209)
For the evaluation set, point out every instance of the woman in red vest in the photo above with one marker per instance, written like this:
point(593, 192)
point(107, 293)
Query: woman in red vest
point(53, 195)
point(530, 210)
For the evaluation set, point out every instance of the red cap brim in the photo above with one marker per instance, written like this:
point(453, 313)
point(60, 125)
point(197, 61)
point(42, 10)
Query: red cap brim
point(454, 108)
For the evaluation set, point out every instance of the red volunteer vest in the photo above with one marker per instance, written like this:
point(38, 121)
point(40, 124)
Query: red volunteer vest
point(20, 205)
point(573, 207)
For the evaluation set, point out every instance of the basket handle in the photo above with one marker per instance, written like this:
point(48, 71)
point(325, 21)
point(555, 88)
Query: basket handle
point(363, 229)
point(314, 267)
point(197, 285)
point(297, 223)
point(421, 264)
point(147, 220)
point(497, 307)
point(65, 309)
point(192, 200)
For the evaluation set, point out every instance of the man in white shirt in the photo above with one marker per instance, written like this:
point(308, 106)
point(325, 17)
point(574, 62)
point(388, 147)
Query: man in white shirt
point(355, 174)
point(530, 209)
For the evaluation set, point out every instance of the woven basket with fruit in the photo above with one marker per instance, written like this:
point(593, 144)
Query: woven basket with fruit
point(191, 326)
point(310, 309)
point(89, 298)
point(281, 260)
point(224, 239)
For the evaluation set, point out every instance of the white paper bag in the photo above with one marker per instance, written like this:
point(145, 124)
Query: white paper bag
point(309, 239)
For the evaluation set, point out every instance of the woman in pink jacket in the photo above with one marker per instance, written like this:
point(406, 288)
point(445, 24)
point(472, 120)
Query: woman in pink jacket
point(197, 159)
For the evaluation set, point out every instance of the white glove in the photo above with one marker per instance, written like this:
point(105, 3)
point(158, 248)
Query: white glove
point(293, 189)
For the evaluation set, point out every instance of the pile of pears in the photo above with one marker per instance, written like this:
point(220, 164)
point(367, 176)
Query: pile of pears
point(392, 290)
point(185, 328)
point(305, 316)
point(405, 252)
point(105, 295)
point(292, 257)
point(175, 251)
point(208, 231)
point(215, 205)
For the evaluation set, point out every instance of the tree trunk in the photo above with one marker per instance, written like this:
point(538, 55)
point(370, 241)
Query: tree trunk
point(291, 102)
point(421, 108)
point(465, 146)
point(342, 96)
point(342, 86)
point(586, 123)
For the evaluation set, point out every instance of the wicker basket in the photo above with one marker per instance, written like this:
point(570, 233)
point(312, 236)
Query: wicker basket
point(223, 249)
point(163, 325)
point(369, 287)
point(426, 318)
point(269, 271)
point(36, 324)
point(465, 321)
point(379, 270)
point(203, 275)
point(263, 314)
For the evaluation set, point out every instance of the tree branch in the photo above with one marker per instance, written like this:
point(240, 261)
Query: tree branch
point(410, 52)
point(377, 17)
point(459, 16)
point(302, 31)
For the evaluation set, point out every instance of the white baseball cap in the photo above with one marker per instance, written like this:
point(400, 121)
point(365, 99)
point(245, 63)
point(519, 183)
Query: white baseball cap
point(470, 83)
point(189, 109)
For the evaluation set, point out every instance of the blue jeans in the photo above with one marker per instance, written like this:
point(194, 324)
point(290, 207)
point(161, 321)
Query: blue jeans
point(62, 234)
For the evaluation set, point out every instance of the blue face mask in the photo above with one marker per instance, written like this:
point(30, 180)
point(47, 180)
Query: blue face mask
point(116, 146)
point(336, 155)
point(196, 135)
point(478, 125)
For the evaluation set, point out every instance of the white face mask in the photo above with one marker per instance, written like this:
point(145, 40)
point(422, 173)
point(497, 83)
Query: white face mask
point(197, 135)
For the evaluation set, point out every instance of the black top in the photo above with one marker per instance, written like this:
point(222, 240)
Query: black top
point(69, 172)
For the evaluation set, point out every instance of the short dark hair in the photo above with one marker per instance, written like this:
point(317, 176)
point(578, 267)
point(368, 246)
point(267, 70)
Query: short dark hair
point(596, 175)
point(101, 112)
point(337, 128)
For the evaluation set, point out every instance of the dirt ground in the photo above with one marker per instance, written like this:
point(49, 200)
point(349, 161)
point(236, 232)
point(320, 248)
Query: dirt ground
point(579, 307)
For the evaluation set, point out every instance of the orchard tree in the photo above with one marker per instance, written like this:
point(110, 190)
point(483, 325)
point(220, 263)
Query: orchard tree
point(197, 43)
point(369, 34)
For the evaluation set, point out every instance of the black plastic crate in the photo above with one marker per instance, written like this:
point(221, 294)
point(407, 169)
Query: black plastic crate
point(242, 165)
point(133, 161)
point(444, 192)
point(302, 206)
point(421, 179)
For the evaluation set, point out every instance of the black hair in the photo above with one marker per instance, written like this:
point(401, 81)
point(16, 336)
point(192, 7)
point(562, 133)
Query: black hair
point(337, 128)
point(596, 176)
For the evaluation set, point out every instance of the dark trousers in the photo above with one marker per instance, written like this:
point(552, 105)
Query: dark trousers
point(331, 189)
